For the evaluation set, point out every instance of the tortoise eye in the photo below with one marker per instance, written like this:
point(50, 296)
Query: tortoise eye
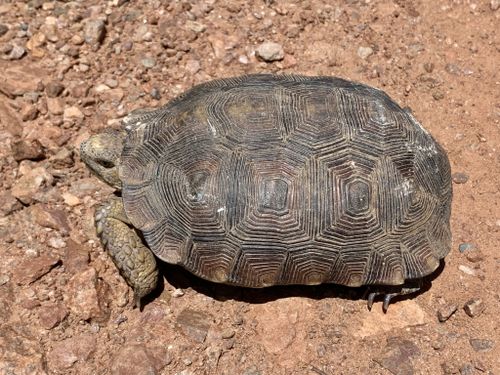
point(105, 163)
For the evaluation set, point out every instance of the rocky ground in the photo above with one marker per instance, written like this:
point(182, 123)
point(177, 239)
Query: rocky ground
point(71, 68)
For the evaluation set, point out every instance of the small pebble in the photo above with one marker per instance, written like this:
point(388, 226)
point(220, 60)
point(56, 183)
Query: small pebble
point(474, 307)
point(466, 246)
point(429, 67)
point(437, 95)
point(459, 178)
point(494, 4)
point(148, 62)
point(177, 293)
point(467, 270)
point(365, 52)
point(474, 256)
point(228, 333)
point(444, 313)
point(155, 93)
point(482, 345)
point(3, 29)
point(16, 53)
point(270, 51)
point(467, 369)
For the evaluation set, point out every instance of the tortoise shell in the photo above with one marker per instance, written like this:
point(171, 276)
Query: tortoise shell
point(271, 179)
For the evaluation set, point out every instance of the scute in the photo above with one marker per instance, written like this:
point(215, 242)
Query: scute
point(263, 180)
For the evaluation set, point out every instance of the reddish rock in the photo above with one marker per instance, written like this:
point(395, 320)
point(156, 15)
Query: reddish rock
point(55, 106)
point(50, 315)
point(194, 324)
point(66, 353)
point(76, 257)
point(19, 79)
point(7, 298)
point(23, 150)
point(9, 118)
point(140, 360)
point(83, 296)
point(29, 113)
point(31, 270)
point(31, 183)
point(50, 218)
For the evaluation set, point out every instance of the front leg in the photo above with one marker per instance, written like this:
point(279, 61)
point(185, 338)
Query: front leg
point(135, 261)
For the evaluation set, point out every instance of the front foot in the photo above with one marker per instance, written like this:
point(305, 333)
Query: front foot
point(135, 261)
point(389, 292)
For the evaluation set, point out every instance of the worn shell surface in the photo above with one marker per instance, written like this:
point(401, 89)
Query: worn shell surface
point(264, 180)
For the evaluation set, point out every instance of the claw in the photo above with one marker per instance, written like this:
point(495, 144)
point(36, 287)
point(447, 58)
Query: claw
point(138, 301)
point(371, 298)
point(387, 301)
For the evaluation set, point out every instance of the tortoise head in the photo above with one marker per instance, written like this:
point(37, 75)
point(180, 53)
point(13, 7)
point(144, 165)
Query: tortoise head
point(101, 153)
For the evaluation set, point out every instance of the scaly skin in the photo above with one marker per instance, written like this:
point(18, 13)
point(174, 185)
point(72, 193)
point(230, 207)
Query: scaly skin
point(135, 261)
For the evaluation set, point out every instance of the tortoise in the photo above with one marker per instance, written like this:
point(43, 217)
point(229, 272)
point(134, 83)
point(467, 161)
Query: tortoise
point(266, 179)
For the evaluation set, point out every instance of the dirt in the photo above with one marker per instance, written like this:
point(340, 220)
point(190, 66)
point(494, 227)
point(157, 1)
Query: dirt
point(70, 69)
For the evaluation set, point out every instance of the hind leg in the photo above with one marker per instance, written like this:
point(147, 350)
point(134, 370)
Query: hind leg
point(135, 261)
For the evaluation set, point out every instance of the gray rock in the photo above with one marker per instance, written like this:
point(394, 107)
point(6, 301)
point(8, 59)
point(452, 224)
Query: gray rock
point(445, 312)
point(270, 51)
point(467, 369)
point(396, 356)
point(474, 307)
point(94, 32)
point(3, 29)
point(148, 62)
point(54, 89)
point(365, 52)
point(494, 4)
point(16, 53)
point(482, 345)
point(194, 324)
point(466, 246)
point(460, 178)
point(24, 150)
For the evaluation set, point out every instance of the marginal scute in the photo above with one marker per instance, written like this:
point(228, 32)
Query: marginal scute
point(263, 180)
